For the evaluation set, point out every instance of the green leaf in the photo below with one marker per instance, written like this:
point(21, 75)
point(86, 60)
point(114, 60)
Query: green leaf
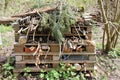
point(41, 75)
point(82, 76)
point(104, 78)
point(73, 73)
point(10, 68)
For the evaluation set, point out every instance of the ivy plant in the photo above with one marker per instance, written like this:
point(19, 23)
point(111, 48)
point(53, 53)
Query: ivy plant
point(7, 71)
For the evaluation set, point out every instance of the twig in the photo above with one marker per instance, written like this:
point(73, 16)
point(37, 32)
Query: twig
point(28, 32)
point(37, 49)
point(25, 28)
point(20, 30)
point(34, 32)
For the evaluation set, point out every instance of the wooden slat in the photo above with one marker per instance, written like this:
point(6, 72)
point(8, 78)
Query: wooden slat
point(18, 47)
point(90, 33)
point(55, 53)
point(30, 44)
point(65, 61)
point(82, 26)
point(81, 53)
point(28, 54)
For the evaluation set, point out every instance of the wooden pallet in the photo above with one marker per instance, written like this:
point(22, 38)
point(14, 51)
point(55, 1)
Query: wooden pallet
point(26, 59)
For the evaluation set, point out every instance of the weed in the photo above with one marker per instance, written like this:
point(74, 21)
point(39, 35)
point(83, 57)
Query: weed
point(61, 73)
point(6, 35)
point(7, 71)
point(26, 72)
point(99, 46)
point(114, 53)
point(4, 29)
point(103, 78)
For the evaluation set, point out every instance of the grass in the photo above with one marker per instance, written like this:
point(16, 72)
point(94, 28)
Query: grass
point(6, 35)
point(4, 29)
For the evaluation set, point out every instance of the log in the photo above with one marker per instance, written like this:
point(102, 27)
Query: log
point(46, 9)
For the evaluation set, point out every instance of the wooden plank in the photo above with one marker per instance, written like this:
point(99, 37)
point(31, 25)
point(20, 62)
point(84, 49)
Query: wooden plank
point(27, 54)
point(80, 53)
point(18, 58)
point(89, 36)
point(18, 47)
point(92, 58)
point(54, 48)
point(83, 26)
point(16, 27)
point(65, 61)
point(55, 57)
point(69, 34)
point(47, 58)
point(17, 37)
point(89, 29)
point(55, 53)
point(30, 44)
point(90, 48)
